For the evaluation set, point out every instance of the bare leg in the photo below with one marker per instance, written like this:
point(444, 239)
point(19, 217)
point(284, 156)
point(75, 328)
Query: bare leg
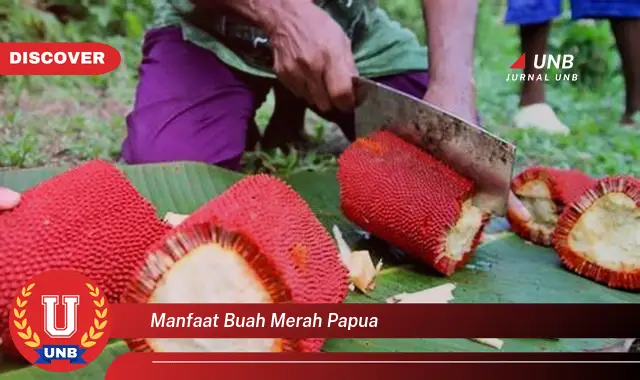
point(626, 31)
point(533, 40)
point(286, 125)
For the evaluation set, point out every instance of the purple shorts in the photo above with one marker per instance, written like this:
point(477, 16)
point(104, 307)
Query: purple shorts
point(190, 106)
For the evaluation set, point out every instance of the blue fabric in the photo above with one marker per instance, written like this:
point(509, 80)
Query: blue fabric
point(581, 9)
point(524, 12)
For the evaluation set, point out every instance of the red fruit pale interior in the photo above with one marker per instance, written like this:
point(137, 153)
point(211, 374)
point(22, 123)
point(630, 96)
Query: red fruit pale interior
point(405, 196)
point(258, 242)
point(545, 192)
point(598, 236)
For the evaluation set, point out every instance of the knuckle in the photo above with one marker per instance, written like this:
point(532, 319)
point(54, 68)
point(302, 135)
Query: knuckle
point(316, 66)
point(304, 61)
point(280, 67)
point(288, 67)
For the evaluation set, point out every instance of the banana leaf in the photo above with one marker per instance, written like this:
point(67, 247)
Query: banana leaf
point(504, 269)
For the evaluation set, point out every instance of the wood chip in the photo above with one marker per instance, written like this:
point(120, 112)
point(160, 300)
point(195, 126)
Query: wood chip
point(494, 236)
point(362, 271)
point(343, 247)
point(173, 219)
point(619, 346)
point(491, 342)
point(438, 294)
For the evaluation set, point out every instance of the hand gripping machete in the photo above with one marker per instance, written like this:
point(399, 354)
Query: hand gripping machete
point(484, 158)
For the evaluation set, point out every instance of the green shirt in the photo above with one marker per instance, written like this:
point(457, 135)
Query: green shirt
point(383, 46)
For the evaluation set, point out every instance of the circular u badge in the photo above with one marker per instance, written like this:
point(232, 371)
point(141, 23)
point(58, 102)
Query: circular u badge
point(60, 321)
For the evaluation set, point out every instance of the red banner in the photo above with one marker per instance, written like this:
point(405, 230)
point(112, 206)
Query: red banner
point(57, 58)
point(375, 321)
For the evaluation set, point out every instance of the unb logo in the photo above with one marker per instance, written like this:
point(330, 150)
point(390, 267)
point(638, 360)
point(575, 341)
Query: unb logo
point(60, 321)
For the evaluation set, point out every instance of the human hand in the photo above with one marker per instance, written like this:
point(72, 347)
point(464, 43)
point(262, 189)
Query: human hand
point(517, 208)
point(8, 199)
point(313, 57)
point(462, 104)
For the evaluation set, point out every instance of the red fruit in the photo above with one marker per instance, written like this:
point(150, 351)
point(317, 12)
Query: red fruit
point(545, 192)
point(258, 242)
point(598, 235)
point(408, 198)
point(89, 219)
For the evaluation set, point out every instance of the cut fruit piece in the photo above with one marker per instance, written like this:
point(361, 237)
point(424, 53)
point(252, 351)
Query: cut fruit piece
point(343, 246)
point(624, 345)
point(545, 192)
point(598, 235)
point(491, 342)
point(438, 294)
point(258, 242)
point(362, 272)
point(173, 219)
point(90, 219)
point(206, 264)
point(403, 195)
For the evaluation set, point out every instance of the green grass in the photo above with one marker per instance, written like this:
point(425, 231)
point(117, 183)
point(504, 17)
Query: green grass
point(57, 120)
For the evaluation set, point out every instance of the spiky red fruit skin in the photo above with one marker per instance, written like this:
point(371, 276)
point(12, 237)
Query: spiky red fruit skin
point(405, 196)
point(565, 185)
point(89, 219)
point(575, 261)
point(280, 224)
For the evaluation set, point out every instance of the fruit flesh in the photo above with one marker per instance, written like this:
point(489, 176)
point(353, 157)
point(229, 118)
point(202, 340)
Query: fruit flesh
point(225, 278)
point(536, 197)
point(608, 233)
point(461, 237)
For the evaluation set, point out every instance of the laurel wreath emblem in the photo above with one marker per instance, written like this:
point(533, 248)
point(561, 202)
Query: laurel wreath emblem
point(32, 339)
point(90, 337)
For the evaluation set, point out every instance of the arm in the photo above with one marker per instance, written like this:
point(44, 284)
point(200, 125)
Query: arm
point(451, 26)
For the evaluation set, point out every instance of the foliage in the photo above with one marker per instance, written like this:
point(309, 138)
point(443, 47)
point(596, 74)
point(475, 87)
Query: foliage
point(591, 44)
point(67, 20)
